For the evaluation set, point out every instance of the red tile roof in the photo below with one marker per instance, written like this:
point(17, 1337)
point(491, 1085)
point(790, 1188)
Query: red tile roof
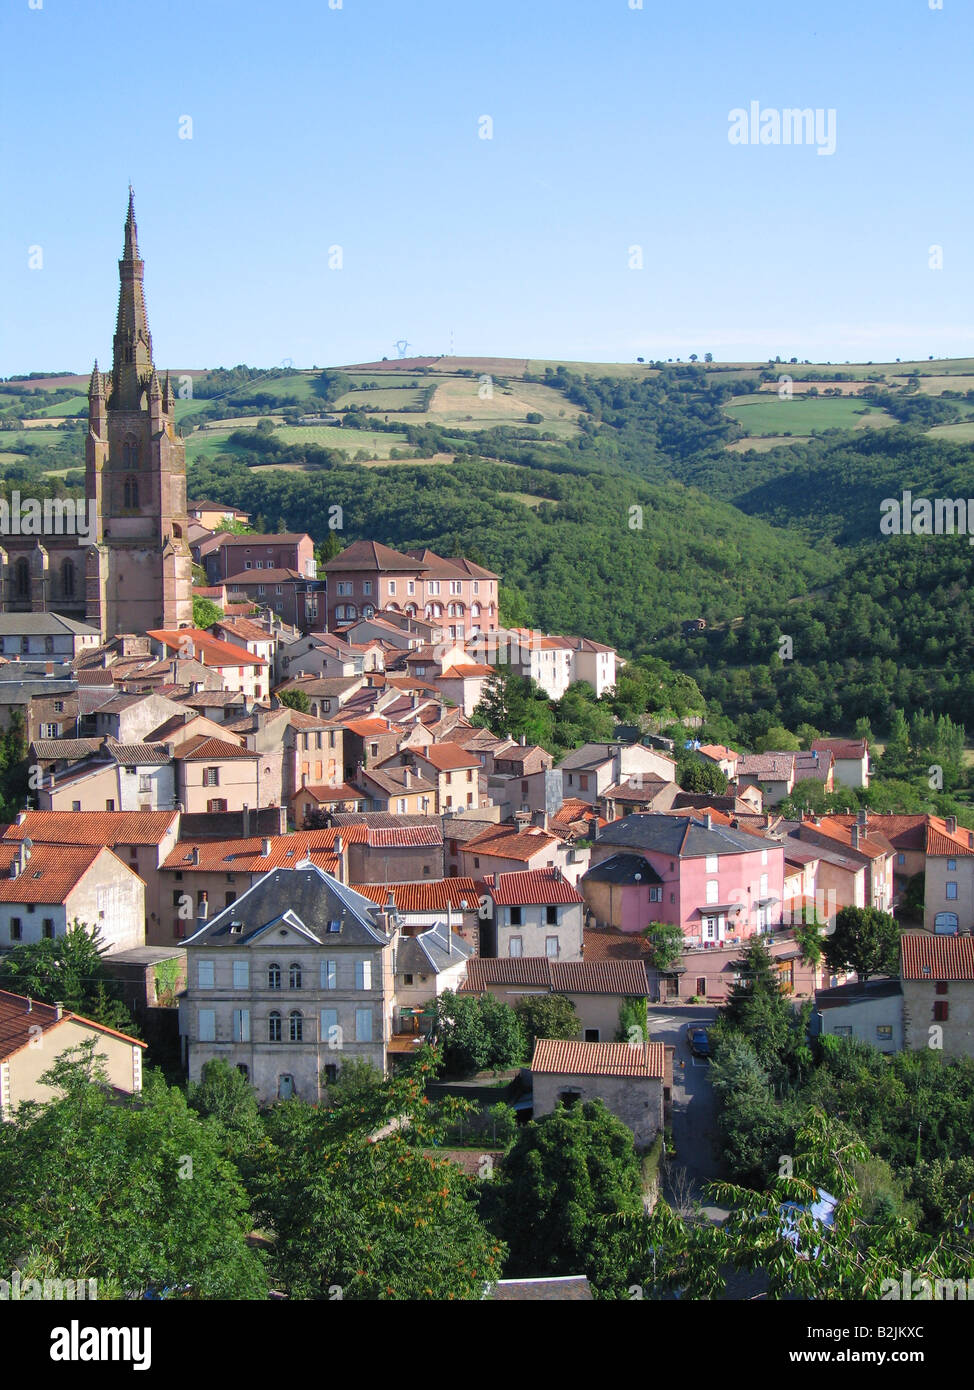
point(941, 841)
point(598, 1059)
point(509, 842)
point(20, 1019)
point(208, 650)
point(626, 977)
point(429, 896)
point(94, 827)
point(247, 856)
point(936, 957)
point(531, 886)
point(446, 757)
point(51, 872)
point(203, 748)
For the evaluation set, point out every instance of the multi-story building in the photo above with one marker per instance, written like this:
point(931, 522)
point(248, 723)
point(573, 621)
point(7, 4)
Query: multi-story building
point(240, 670)
point(535, 913)
point(367, 578)
point(290, 981)
point(937, 976)
point(226, 555)
point(44, 889)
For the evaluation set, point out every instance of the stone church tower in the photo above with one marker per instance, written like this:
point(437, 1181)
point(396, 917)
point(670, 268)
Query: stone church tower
point(138, 574)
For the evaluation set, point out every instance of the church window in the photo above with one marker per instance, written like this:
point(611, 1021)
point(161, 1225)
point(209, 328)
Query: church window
point(67, 579)
point(131, 497)
point(130, 453)
point(22, 578)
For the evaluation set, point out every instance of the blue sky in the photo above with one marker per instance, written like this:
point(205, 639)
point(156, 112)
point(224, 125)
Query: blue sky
point(359, 127)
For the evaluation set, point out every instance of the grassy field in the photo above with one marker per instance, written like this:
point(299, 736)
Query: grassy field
point(382, 398)
point(457, 402)
point(962, 433)
point(764, 415)
point(762, 443)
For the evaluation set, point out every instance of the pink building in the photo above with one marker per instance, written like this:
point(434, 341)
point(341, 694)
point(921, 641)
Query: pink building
point(457, 596)
point(718, 884)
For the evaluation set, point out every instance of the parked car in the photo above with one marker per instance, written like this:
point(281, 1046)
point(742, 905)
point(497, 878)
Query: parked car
point(698, 1041)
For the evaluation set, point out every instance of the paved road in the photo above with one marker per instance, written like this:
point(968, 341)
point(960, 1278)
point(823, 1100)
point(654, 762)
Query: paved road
point(694, 1121)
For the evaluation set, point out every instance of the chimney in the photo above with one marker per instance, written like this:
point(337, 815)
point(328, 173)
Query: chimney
point(195, 855)
point(708, 822)
point(524, 741)
point(855, 836)
point(593, 827)
point(340, 870)
point(245, 826)
point(951, 825)
point(265, 848)
point(58, 1009)
point(449, 928)
point(407, 777)
point(30, 1005)
point(862, 818)
point(203, 910)
point(540, 818)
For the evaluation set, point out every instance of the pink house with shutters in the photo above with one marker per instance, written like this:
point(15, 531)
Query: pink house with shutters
point(718, 884)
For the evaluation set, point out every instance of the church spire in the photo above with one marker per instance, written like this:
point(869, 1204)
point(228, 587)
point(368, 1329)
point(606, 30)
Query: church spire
point(132, 356)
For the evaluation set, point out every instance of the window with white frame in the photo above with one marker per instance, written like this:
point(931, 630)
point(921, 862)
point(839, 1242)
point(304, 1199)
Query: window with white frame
point(655, 893)
point(515, 946)
point(551, 946)
point(712, 863)
point(713, 890)
point(764, 856)
point(295, 1026)
point(363, 974)
point(274, 1026)
point(764, 886)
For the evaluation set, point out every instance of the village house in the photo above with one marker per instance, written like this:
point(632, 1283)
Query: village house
point(871, 1010)
point(367, 578)
point(532, 913)
point(291, 596)
point(451, 770)
point(399, 790)
point(238, 668)
point(948, 897)
point(140, 839)
point(227, 555)
point(24, 636)
point(937, 976)
point(213, 514)
point(851, 758)
point(719, 756)
point(506, 848)
point(860, 842)
point(591, 770)
point(430, 902)
point(628, 1080)
point(44, 889)
point(425, 964)
point(118, 777)
point(773, 773)
point(34, 1035)
point(289, 982)
point(597, 990)
point(717, 883)
point(242, 632)
point(213, 774)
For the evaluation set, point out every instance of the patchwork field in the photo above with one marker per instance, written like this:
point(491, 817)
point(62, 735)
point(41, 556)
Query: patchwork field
point(764, 415)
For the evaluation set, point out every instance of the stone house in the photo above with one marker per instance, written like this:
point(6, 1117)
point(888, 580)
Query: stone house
point(44, 889)
point(532, 913)
point(871, 1010)
point(628, 1080)
point(289, 982)
point(596, 989)
point(937, 976)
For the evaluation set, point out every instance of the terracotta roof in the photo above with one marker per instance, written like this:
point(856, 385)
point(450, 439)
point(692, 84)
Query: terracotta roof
point(718, 752)
point(466, 672)
point(767, 766)
point(431, 895)
point(203, 748)
point(50, 873)
point(372, 555)
point(510, 842)
point(609, 943)
point(21, 1018)
point(366, 728)
point(551, 1055)
point(408, 837)
point(440, 568)
point(531, 886)
point(941, 841)
point(93, 827)
point(573, 809)
point(326, 795)
point(845, 748)
point(243, 627)
point(936, 957)
point(247, 856)
point(209, 651)
point(446, 757)
point(625, 977)
point(392, 780)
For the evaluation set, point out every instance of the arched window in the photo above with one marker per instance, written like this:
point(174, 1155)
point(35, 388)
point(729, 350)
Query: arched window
point(294, 977)
point(22, 578)
point(410, 610)
point(475, 610)
point(130, 453)
point(296, 1026)
point(273, 977)
point(131, 492)
point(67, 579)
point(274, 1027)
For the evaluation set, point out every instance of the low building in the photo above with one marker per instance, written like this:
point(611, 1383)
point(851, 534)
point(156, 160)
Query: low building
point(937, 976)
point(871, 1010)
point(597, 989)
point(851, 759)
point(628, 1080)
point(34, 1035)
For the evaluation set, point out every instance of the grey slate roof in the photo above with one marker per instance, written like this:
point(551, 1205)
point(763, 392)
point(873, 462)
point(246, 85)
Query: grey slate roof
point(683, 837)
point(47, 750)
point(622, 868)
point(304, 897)
point(428, 953)
point(43, 625)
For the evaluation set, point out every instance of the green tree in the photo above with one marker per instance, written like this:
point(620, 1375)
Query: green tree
point(633, 1021)
point(564, 1172)
point(695, 775)
point(205, 612)
point(477, 1033)
point(777, 740)
point(546, 1016)
point(666, 941)
point(136, 1193)
point(68, 970)
point(865, 940)
point(295, 699)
